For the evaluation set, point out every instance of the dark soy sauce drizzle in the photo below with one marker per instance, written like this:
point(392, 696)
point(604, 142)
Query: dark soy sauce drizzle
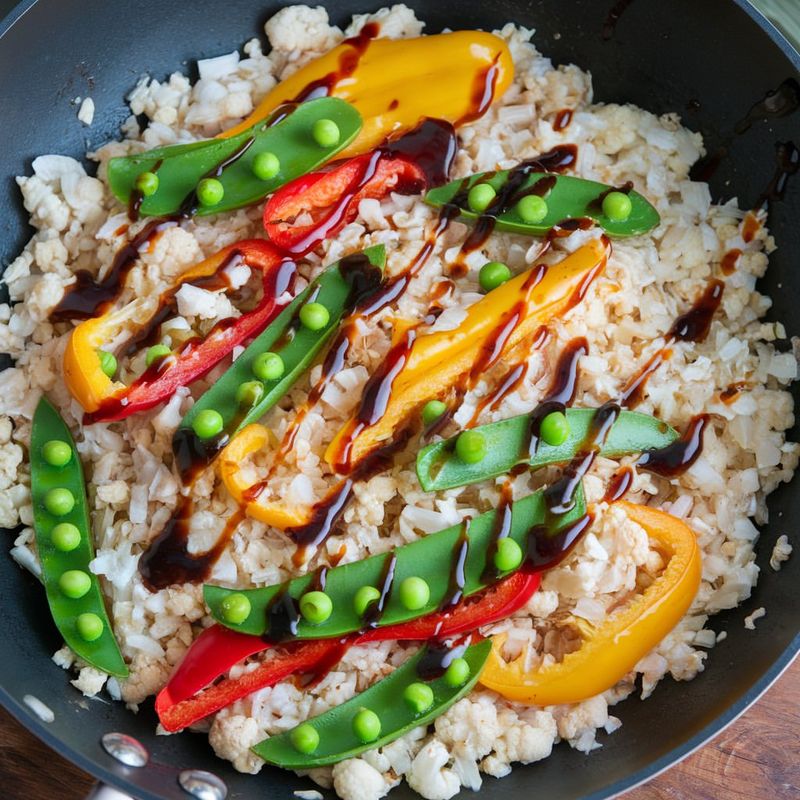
point(563, 119)
point(458, 577)
point(620, 485)
point(693, 326)
point(676, 458)
point(730, 261)
point(597, 204)
point(137, 197)
point(613, 17)
point(482, 94)
point(376, 611)
point(431, 146)
point(787, 158)
point(502, 528)
point(634, 390)
point(283, 616)
point(438, 658)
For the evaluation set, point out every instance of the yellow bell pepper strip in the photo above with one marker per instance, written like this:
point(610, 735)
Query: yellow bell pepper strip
point(612, 649)
point(393, 83)
point(429, 366)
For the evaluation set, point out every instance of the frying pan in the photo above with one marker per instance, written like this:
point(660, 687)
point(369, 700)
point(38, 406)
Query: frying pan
point(710, 61)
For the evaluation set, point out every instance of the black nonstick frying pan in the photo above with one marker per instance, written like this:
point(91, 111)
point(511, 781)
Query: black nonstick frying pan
point(712, 61)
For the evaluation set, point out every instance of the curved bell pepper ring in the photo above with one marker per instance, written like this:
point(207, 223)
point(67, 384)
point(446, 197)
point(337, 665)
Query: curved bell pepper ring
point(612, 649)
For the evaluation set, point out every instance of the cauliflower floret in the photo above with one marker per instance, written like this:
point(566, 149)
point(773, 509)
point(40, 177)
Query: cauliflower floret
point(147, 676)
point(520, 740)
point(578, 723)
point(90, 681)
point(355, 779)
point(300, 28)
point(469, 728)
point(232, 737)
point(427, 775)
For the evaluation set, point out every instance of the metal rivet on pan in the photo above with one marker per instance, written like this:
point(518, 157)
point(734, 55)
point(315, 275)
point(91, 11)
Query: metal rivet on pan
point(125, 749)
point(202, 785)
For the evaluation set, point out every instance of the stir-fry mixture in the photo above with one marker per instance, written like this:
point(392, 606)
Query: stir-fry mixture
point(385, 407)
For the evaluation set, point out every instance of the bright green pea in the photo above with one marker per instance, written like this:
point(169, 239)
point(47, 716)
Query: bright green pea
point(208, 423)
point(432, 410)
point(419, 697)
point(210, 192)
point(147, 183)
point(156, 352)
point(268, 367)
point(65, 537)
point(108, 362)
point(554, 429)
point(56, 453)
point(366, 725)
point(314, 316)
point(90, 626)
point(617, 206)
point(59, 502)
point(235, 608)
point(414, 593)
point(532, 208)
point(249, 393)
point(508, 555)
point(457, 673)
point(364, 598)
point(471, 447)
point(74, 583)
point(492, 275)
point(316, 607)
point(480, 197)
point(305, 738)
point(266, 166)
point(326, 133)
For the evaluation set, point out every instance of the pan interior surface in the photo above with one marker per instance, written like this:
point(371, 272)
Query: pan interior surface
point(708, 61)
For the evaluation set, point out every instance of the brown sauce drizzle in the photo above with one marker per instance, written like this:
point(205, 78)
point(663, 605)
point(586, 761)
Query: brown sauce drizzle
point(693, 326)
point(283, 617)
point(438, 658)
point(563, 119)
point(787, 163)
point(620, 485)
point(482, 94)
point(634, 390)
point(324, 666)
point(597, 203)
point(458, 576)
point(137, 198)
point(431, 146)
point(751, 225)
point(776, 103)
point(375, 612)
point(729, 394)
point(502, 528)
point(676, 458)
point(613, 17)
point(730, 261)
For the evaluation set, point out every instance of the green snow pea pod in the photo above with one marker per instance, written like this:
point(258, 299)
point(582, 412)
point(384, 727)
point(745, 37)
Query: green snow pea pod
point(565, 196)
point(337, 739)
point(507, 444)
point(339, 288)
point(432, 558)
point(180, 168)
point(73, 592)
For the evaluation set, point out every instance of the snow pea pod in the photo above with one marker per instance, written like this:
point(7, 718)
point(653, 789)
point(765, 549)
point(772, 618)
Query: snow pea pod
point(566, 197)
point(335, 731)
point(64, 543)
point(180, 168)
point(339, 288)
point(507, 444)
point(274, 610)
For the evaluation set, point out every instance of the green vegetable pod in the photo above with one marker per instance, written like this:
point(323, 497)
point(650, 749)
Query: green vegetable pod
point(568, 198)
point(180, 168)
point(64, 544)
point(337, 739)
point(430, 559)
point(338, 289)
point(440, 467)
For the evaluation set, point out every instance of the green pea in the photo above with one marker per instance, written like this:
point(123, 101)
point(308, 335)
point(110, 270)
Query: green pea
point(59, 502)
point(480, 197)
point(554, 429)
point(147, 183)
point(314, 316)
point(56, 453)
point(249, 393)
point(305, 738)
point(268, 367)
point(90, 626)
point(617, 206)
point(492, 275)
point(414, 593)
point(210, 192)
point(266, 166)
point(419, 697)
point(326, 133)
point(508, 555)
point(532, 209)
point(364, 598)
point(74, 583)
point(432, 410)
point(316, 607)
point(471, 447)
point(208, 423)
point(108, 362)
point(366, 725)
point(155, 353)
point(235, 608)
point(65, 537)
point(457, 673)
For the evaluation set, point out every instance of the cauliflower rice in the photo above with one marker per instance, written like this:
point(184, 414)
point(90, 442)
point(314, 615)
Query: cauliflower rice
point(649, 280)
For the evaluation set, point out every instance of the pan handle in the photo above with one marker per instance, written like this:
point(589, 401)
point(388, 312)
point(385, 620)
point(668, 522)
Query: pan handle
point(103, 792)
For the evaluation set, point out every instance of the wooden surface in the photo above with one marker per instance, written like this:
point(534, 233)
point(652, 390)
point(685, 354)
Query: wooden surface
point(756, 758)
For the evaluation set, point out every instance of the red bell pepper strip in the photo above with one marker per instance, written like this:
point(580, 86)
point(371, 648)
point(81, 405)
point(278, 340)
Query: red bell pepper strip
point(185, 700)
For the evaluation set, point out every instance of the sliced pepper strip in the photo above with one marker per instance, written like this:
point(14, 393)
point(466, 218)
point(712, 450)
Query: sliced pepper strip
point(393, 83)
point(105, 399)
point(612, 649)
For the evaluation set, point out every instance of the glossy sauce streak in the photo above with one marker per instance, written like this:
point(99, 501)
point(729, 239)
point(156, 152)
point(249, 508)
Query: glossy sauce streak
point(597, 204)
point(731, 392)
point(375, 612)
point(482, 94)
point(614, 14)
point(751, 225)
point(779, 102)
point(137, 198)
point(283, 617)
point(634, 390)
point(676, 458)
point(563, 119)
point(730, 261)
point(438, 658)
point(619, 485)
point(502, 528)
point(458, 577)
point(693, 326)
point(787, 162)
